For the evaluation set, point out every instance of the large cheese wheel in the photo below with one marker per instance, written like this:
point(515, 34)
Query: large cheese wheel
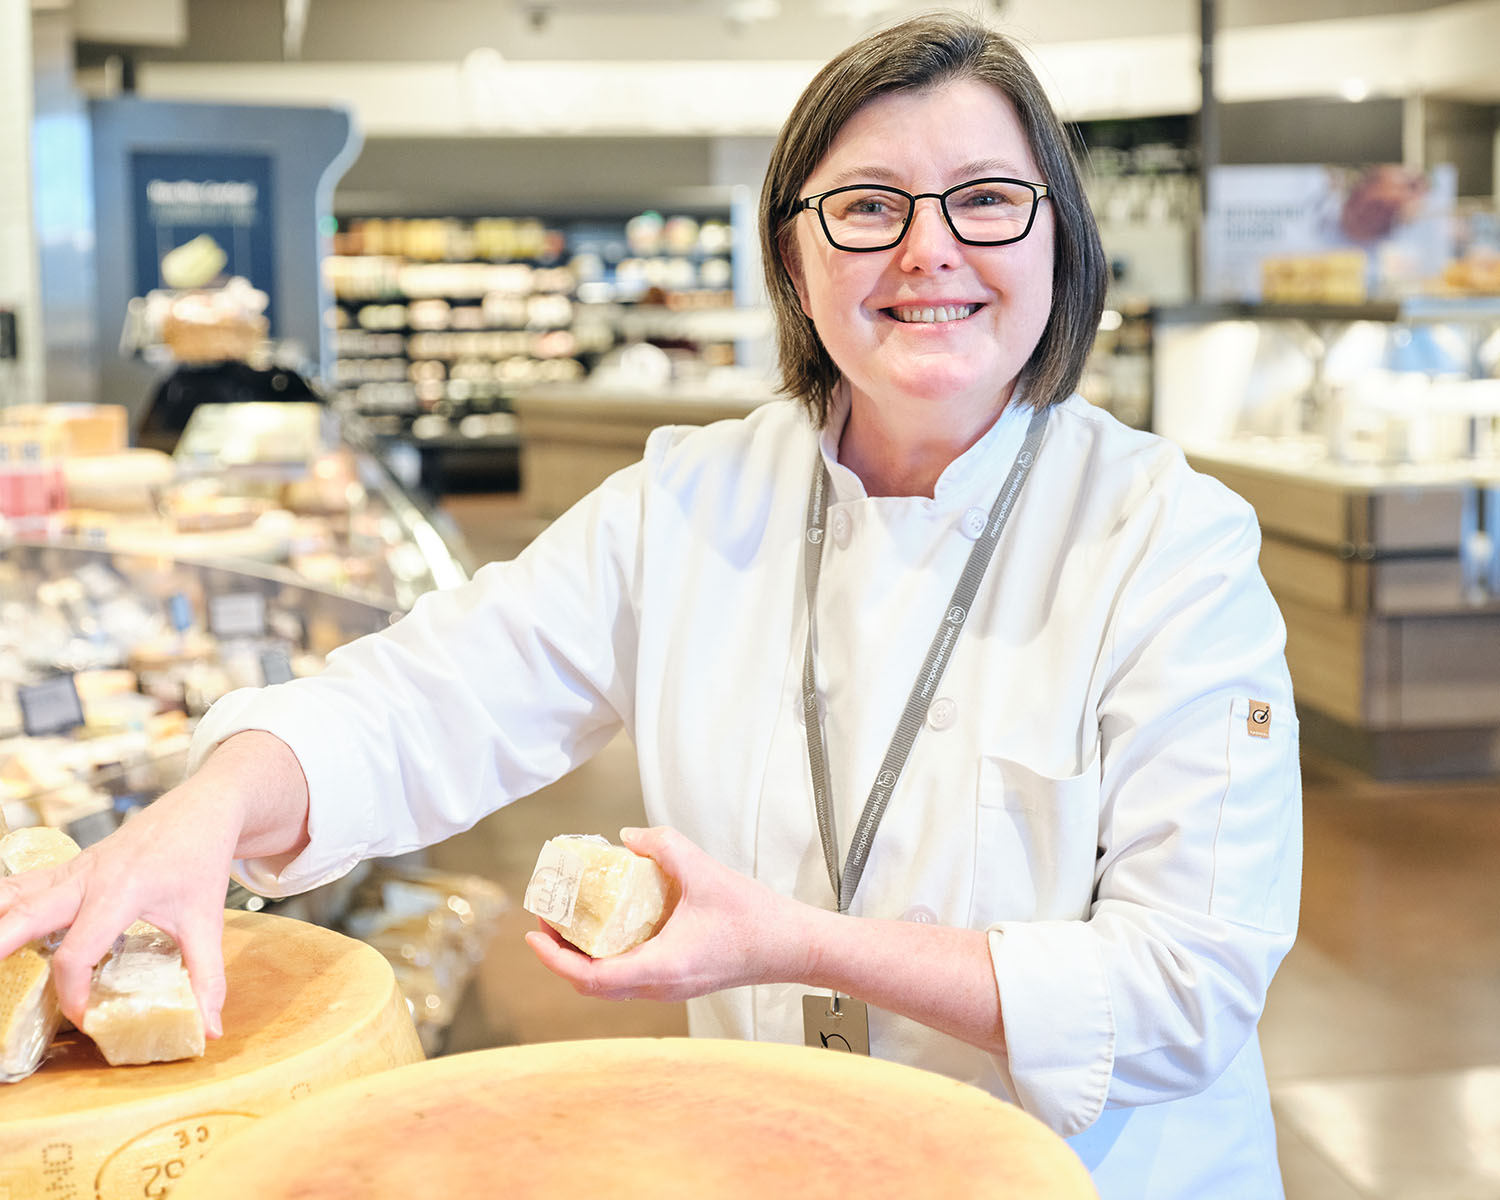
point(307, 1008)
point(645, 1118)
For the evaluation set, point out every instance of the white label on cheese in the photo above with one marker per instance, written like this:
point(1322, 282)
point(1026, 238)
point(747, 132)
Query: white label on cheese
point(237, 614)
point(552, 893)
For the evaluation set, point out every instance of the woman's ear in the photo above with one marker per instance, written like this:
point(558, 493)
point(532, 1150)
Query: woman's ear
point(791, 259)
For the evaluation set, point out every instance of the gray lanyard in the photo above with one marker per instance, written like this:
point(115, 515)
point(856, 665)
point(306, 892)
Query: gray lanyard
point(928, 678)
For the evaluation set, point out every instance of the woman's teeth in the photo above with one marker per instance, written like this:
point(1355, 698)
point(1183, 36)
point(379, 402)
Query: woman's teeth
point(933, 316)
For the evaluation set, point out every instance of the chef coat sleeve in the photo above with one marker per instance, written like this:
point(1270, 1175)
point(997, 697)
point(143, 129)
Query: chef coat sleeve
point(478, 696)
point(1198, 876)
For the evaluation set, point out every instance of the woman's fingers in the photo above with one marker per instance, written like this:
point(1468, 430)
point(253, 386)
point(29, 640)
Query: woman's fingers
point(92, 932)
point(201, 939)
point(28, 912)
point(31, 907)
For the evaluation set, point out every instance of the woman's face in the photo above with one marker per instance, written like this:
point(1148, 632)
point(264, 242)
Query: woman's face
point(867, 308)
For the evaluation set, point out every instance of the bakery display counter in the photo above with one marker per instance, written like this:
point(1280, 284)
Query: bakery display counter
point(574, 437)
point(1388, 577)
point(1367, 437)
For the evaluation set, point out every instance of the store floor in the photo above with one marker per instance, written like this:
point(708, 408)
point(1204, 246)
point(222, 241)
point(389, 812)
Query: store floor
point(1382, 1030)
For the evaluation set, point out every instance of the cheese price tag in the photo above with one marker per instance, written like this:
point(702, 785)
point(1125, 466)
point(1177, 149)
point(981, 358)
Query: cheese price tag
point(237, 615)
point(275, 666)
point(50, 707)
point(180, 612)
point(552, 893)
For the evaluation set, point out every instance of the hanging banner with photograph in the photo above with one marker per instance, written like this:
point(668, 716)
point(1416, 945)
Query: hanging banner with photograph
point(1326, 235)
point(211, 212)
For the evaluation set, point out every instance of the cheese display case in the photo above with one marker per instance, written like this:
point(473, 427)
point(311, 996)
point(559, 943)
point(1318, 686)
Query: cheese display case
point(292, 485)
point(1368, 440)
point(109, 657)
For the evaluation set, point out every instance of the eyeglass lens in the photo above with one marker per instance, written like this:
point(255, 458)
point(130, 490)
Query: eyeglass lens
point(868, 217)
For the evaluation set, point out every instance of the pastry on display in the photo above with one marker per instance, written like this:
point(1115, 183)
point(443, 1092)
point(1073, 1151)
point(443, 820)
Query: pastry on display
point(603, 899)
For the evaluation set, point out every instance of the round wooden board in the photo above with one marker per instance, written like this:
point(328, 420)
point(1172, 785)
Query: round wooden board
point(643, 1118)
point(306, 1008)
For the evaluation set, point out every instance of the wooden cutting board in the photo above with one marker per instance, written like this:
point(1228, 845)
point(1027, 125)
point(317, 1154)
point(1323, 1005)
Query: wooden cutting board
point(646, 1119)
point(307, 1008)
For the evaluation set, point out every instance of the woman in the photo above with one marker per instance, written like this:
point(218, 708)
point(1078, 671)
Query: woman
point(1074, 866)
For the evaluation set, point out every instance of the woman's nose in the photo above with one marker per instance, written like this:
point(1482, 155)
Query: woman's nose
point(929, 244)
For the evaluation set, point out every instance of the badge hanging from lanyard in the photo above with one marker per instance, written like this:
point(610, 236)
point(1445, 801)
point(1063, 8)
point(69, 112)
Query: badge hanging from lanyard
point(838, 1022)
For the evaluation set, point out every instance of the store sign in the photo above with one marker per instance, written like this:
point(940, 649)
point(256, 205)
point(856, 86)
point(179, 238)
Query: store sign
point(1321, 234)
point(50, 707)
point(180, 195)
point(237, 615)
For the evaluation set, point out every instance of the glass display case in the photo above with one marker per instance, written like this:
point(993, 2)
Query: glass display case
point(1368, 440)
point(107, 660)
point(290, 485)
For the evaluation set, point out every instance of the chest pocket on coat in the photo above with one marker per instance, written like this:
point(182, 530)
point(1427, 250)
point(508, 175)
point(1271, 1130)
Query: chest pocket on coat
point(1036, 843)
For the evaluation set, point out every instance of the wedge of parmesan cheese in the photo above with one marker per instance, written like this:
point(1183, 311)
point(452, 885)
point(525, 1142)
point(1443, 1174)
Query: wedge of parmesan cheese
point(603, 899)
point(29, 1016)
point(141, 1007)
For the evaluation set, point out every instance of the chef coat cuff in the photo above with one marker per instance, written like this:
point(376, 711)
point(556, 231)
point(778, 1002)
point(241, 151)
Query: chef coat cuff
point(339, 832)
point(1059, 1024)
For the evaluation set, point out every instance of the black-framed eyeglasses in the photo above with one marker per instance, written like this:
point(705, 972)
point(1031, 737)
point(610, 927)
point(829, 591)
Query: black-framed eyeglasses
point(865, 217)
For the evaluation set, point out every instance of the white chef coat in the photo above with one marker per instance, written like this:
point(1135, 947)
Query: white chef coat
point(1086, 787)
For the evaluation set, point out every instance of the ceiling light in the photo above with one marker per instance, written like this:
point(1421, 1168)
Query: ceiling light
point(1354, 90)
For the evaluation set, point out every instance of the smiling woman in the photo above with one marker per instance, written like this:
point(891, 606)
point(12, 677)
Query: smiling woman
point(928, 332)
point(938, 677)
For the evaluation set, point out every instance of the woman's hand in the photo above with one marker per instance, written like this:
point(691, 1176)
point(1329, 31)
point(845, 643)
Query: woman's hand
point(169, 865)
point(728, 931)
point(725, 931)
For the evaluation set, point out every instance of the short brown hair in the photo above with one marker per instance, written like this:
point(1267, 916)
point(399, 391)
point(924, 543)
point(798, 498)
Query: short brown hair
point(926, 52)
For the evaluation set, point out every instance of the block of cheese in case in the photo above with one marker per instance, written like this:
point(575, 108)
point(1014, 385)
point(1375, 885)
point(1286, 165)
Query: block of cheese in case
point(603, 899)
point(29, 1016)
point(141, 1007)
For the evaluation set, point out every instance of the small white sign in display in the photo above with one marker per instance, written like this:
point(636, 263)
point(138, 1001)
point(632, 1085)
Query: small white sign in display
point(237, 614)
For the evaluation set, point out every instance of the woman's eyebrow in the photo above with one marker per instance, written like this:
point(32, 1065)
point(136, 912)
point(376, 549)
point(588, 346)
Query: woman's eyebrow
point(977, 169)
point(865, 175)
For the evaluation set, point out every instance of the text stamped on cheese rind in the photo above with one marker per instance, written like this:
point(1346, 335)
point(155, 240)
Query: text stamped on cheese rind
point(552, 893)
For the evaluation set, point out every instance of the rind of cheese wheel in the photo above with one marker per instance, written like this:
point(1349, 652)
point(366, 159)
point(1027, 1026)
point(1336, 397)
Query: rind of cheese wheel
point(306, 1009)
point(620, 895)
point(141, 1007)
point(646, 1119)
point(29, 1016)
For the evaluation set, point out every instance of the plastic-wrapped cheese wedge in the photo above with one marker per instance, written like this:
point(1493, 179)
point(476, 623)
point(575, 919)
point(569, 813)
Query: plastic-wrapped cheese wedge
point(29, 1016)
point(603, 899)
point(141, 1007)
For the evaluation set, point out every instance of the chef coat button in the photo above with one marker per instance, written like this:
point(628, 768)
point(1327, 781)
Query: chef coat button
point(942, 713)
point(921, 914)
point(843, 529)
point(973, 523)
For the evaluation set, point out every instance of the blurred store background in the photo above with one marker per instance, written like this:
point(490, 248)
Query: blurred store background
point(310, 306)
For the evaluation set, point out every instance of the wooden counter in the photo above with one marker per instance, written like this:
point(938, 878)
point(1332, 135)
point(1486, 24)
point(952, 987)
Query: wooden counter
point(1390, 588)
point(573, 437)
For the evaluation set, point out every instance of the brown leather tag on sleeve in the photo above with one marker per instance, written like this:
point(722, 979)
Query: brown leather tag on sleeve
point(1258, 724)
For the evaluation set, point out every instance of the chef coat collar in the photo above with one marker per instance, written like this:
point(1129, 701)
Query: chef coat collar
point(986, 460)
